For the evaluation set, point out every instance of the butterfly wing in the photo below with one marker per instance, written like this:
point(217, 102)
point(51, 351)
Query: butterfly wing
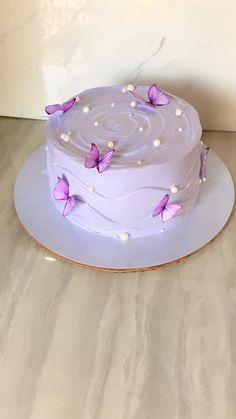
point(61, 190)
point(69, 205)
point(157, 97)
point(66, 106)
point(50, 109)
point(161, 206)
point(170, 211)
point(203, 158)
point(92, 158)
point(105, 161)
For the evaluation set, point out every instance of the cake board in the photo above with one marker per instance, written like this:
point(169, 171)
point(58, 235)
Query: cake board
point(57, 235)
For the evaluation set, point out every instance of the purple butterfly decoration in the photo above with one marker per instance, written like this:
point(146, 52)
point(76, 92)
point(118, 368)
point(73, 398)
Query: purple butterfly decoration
point(167, 211)
point(61, 192)
point(203, 159)
point(64, 107)
point(94, 159)
point(155, 97)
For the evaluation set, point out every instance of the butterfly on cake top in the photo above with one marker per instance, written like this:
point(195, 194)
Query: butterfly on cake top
point(156, 97)
point(64, 107)
point(94, 159)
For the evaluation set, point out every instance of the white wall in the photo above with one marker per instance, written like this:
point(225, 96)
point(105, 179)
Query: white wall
point(52, 49)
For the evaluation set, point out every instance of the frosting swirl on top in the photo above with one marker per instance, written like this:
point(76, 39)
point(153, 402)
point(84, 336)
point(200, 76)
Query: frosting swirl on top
point(153, 135)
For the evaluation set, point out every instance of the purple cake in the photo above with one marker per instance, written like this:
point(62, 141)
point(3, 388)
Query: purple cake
point(124, 162)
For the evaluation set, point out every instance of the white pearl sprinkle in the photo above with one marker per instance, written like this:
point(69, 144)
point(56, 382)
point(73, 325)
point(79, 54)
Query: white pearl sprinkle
point(130, 87)
point(140, 129)
point(65, 137)
point(129, 115)
point(174, 189)
point(77, 99)
point(124, 89)
point(200, 181)
point(180, 129)
point(124, 236)
point(96, 123)
point(91, 188)
point(204, 179)
point(178, 112)
point(139, 162)
point(162, 230)
point(110, 144)
point(133, 104)
point(113, 104)
point(86, 109)
point(46, 148)
point(156, 142)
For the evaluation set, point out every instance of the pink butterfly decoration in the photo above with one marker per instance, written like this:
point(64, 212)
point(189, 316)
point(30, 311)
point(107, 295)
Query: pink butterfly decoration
point(167, 211)
point(203, 158)
point(64, 107)
point(155, 97)
point(93, 159)
point(61, 192)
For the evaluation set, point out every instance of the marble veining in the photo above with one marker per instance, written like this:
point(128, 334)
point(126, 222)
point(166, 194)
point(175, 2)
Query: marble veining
point(54, 49)
point(76, 343)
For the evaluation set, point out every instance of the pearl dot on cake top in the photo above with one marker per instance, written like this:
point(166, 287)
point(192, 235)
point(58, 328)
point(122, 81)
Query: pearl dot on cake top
point(156, 142)
point(174, 189)
point(180, 129)
point(129, 115)
point(178, 112)
point(204, 179)
point(130, 87)
point(46, 148)
point(113, 104)
point(162, 230)
point(124, 236)
point(110, 144)
point(91, 188)
point(139, 162)
point(200, 181)
point(140, 129)
point(124, 89)
point(86, 109)
point(65, 137)
point(133, 104)
point(77, 99)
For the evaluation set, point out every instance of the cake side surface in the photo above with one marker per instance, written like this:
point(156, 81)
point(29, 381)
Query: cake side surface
point(157, 153)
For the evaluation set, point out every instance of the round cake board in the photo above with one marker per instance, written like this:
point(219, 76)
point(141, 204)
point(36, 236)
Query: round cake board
point(50, 229)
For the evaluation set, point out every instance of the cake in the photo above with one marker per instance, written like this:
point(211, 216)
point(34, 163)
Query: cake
point(124, 162)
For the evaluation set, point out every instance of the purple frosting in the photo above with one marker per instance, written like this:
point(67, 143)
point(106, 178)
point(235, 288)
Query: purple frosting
point(123, 197)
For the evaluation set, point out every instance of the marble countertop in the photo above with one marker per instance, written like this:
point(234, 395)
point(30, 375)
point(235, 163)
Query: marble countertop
point(81, 344)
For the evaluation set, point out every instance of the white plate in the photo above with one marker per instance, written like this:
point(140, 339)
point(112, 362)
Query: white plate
point(46, 225)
